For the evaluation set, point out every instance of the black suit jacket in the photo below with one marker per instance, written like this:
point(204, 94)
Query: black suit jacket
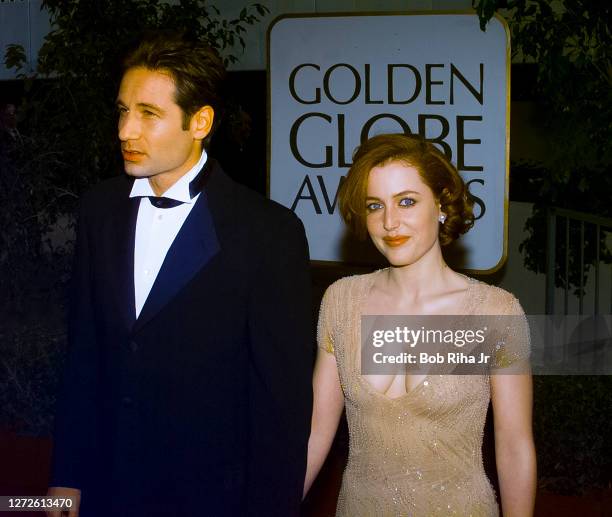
point(202, 405)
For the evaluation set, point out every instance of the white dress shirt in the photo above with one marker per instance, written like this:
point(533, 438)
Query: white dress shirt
point(156, 229)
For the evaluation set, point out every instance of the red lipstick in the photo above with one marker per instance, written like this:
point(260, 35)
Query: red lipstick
point(394, 242)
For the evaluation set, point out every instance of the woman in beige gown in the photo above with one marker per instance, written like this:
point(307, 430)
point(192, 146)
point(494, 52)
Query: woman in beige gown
point(416, 440)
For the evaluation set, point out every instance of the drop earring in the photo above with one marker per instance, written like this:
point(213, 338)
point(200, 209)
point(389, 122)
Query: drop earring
point(442, 218)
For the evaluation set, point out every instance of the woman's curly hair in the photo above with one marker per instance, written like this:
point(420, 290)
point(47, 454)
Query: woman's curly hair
point(435, 169)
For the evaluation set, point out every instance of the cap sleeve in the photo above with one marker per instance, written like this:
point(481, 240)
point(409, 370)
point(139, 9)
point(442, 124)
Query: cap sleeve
point(514, 345)
point(325, 328)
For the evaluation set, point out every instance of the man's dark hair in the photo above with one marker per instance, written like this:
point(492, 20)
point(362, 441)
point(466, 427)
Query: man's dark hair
point(195, 67)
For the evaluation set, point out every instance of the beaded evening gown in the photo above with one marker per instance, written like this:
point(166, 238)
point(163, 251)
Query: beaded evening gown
point(418, 455)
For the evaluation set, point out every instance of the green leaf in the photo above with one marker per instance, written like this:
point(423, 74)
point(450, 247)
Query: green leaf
point(261, 9)
point(15, 57)
point(485, 10)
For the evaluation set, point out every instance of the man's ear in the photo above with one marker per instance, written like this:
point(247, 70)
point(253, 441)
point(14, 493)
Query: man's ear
point(202, 122)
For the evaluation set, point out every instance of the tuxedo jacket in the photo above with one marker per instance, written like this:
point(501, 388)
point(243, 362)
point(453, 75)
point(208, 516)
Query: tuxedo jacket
point(201, 405)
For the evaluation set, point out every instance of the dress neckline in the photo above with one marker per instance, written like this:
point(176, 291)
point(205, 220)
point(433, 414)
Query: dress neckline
point(467, 300)
point(371, 278)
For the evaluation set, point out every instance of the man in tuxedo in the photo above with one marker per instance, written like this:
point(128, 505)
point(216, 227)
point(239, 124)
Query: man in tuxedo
point(187, 389)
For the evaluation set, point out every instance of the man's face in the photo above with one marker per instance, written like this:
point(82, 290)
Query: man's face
point(153, 142)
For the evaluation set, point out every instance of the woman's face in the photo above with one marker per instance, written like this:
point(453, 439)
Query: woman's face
point(402, 213)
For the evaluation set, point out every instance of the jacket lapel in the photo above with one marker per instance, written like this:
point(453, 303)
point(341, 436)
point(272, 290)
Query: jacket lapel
point(120, 232)
point(194, 246)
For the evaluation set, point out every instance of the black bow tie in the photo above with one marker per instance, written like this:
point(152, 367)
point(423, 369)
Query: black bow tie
point(196, 185)
point(164, 202)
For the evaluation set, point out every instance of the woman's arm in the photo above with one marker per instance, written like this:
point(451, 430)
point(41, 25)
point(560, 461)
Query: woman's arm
point(514, 448)
point(328, 404)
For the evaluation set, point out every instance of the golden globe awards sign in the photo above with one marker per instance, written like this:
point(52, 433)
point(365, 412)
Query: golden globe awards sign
point(337, 80)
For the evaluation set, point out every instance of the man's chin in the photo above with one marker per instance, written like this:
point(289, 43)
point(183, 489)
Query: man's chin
point(132, 169)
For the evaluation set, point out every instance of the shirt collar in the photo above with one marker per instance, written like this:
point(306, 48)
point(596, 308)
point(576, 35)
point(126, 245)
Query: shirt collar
point(178, 191)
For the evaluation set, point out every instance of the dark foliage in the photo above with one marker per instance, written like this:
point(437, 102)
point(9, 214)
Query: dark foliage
point(572, 427)
point(571, 43)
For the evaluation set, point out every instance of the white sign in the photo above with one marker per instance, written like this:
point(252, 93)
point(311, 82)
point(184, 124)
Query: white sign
point(336, 80)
